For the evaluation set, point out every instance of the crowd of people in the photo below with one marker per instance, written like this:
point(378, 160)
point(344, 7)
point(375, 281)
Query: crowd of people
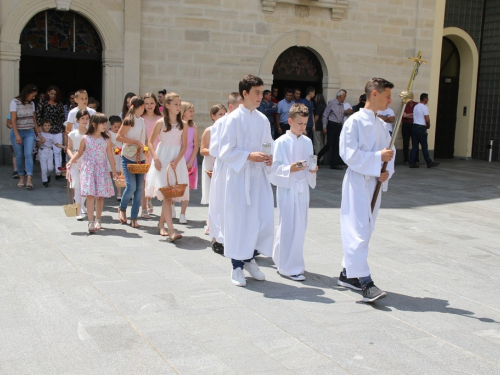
point(255, 142)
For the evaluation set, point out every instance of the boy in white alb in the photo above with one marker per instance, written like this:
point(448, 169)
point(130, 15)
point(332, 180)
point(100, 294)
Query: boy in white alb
point(45, 151)
point(81, 99)
point(363, 143)
point(248, 208)
point(292, 194)
point(217, 182)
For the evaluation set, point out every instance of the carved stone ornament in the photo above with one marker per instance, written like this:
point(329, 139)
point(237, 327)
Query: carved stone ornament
point(301, 11)
point(63, 4)
point(337, 7)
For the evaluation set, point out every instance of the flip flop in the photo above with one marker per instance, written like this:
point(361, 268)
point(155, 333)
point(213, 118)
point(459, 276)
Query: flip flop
point(120, 218)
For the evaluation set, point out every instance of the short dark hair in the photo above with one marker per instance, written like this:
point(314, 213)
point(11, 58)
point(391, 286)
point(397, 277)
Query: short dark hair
point(81, 113)
point(309, 89)
point(362, 98)
point(248, 82)
point(114, 119)
point(266, 92)
point(378, 84)
point(288, 91)
point(423, 96)
point(297, 89)
point(45, 120)
point(164, 92)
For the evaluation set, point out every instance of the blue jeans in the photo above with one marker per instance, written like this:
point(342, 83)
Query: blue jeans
point(132, 190)
point(419, 135)
point(24, 151)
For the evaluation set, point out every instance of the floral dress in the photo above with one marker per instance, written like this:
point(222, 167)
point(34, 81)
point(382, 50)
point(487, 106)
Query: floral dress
point(94, 176)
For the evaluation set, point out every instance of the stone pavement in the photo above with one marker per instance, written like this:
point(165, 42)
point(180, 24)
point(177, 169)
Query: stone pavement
point(125, 301)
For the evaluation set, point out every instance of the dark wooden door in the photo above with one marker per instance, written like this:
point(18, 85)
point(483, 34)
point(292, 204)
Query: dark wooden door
point(446, 120)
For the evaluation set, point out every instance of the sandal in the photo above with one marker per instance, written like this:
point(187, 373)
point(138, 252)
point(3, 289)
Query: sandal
point(145, 214)
point(20, 184)
point(163, 231)
point(29, 185)
point(97, 225)
point(173, 235)
point(120, 216)
point(92, 227)
point(133, 223)
point(207, 230)
point(150, 206)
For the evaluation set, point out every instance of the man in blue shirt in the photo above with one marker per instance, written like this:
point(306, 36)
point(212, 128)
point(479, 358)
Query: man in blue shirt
point(309, 103)
point(268, 108)
point(283, 110)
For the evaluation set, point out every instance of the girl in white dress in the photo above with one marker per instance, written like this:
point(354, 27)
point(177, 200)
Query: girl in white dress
point(216, 112)
point(170, 151)
point(114, 125)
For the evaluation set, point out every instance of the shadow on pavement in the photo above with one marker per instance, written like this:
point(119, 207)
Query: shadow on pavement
point(271, 289)
point(423, 304)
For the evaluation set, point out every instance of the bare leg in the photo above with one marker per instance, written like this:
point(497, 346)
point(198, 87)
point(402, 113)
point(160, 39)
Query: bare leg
point(184, 207)
point(99, 207)
point(166, 213)
point(90, 208)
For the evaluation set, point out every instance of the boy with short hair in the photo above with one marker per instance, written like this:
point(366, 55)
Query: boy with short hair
point(363, 147)
point(81, 99)
point(248, 198)
point(292, 179)
point(45, 151)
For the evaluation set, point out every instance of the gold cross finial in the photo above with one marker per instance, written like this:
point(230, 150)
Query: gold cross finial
point(418, 61)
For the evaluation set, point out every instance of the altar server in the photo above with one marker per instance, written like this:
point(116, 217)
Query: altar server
point(248, 198)
point(363, 143)
point(292, 176)
point(217, 182)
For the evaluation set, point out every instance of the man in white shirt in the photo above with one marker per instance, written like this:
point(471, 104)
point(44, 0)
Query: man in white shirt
point(421, 123)
point(387, 115)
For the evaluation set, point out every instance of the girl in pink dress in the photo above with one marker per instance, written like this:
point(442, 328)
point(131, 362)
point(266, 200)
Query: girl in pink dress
point(187, 113)
point(95, 183)
point(151, 116)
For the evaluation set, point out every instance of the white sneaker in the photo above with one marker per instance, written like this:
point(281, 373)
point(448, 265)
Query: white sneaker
point(298, 277)
point(238, 277)
point(81, 217)
point(174, 214)
point(253, 269)
point(182, 219)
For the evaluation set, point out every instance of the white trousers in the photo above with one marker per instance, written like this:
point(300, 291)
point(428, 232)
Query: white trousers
point(57, 151)
point(46, 162)
point(75, 184)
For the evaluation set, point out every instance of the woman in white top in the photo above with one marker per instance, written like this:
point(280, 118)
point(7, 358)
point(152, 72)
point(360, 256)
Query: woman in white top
point(132, 134)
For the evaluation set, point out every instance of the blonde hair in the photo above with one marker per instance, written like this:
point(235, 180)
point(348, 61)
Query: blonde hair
point(184, 107)
point(169, 98)
point(298, 109)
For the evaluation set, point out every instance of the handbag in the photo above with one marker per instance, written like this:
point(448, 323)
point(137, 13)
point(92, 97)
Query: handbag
point(71, 209)
point(173, 191)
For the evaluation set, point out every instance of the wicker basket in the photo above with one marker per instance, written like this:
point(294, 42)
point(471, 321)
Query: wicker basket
point(173, 191)
point(120, 181)
point(138, 168)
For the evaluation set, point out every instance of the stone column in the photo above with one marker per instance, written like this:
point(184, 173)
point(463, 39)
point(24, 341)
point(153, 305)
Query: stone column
point(10, 55)
point(132, 47)
point(113, 82)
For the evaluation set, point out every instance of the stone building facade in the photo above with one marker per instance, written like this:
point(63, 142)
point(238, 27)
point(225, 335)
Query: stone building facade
point(202, 48)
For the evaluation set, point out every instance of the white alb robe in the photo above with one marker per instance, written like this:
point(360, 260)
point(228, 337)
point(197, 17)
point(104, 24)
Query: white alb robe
point(292, 195)
point(217, 184)
point(248, 208)
point(363, 137)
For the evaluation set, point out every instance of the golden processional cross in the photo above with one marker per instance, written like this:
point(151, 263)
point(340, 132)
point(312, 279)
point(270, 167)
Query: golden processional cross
point(406, 97)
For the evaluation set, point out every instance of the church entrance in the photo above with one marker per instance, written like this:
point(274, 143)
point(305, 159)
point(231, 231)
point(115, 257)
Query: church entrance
point(446, 120)
point(63, 49)
point(297, 67)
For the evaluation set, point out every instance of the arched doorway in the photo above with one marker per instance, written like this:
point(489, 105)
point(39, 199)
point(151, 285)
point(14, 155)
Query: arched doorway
point(446, 120)
point(61, 48)
point(297, 67)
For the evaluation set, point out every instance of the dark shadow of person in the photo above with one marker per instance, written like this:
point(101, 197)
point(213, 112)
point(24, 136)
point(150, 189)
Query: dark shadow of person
point(191, 243)
point(423, 304)
point(271, 289)
point(108, 232)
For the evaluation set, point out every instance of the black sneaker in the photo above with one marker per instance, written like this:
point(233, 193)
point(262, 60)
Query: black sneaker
point(352, 283)
point(15, 175)
point(371, 293)
point(45, 184)
point(218, 248)
point(48, 179)
point(432, 165)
